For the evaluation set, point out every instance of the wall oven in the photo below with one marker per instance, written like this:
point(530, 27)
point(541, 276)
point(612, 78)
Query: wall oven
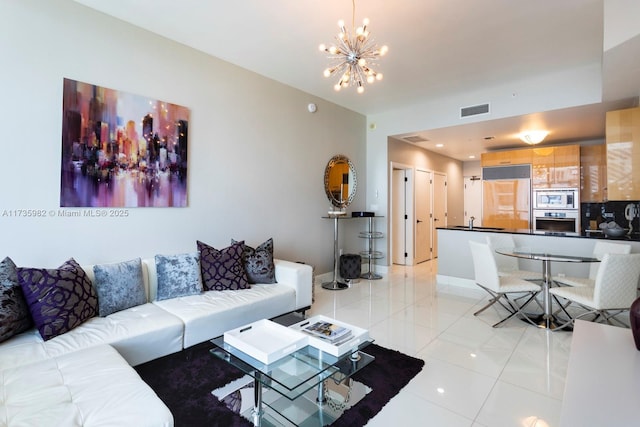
point(556, 221)
point(556, 210)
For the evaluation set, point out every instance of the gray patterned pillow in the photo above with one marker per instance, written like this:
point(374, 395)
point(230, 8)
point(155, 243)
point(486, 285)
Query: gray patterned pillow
point(258, 262)
point(14, 311)
point(178, 275)
point(119, 286)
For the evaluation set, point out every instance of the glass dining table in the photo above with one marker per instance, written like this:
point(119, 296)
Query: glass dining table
point(547, 319)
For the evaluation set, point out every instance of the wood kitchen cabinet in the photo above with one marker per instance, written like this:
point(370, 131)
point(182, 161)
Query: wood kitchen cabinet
point(505, 158)
point(556, 167)
point(593, 173)
point(623, 154)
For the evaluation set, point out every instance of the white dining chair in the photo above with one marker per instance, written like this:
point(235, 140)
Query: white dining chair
point(500, 287)
point(599, 249)
point(508, 265)
point(614, 289)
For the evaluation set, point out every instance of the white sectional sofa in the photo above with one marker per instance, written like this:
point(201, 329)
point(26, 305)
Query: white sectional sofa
point(84, 376)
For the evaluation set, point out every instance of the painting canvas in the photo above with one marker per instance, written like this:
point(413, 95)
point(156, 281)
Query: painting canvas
point(121, 149)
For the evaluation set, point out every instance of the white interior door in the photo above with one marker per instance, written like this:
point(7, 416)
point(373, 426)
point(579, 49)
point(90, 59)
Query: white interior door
point(398, 223)
point(472, 200)
point(423, 216)
point(439, 207)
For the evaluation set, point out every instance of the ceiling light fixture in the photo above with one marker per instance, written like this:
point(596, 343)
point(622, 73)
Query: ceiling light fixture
point(533, 137)
point(354, 56)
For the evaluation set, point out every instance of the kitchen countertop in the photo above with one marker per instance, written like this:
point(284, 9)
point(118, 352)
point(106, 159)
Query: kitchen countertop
point(588, 234)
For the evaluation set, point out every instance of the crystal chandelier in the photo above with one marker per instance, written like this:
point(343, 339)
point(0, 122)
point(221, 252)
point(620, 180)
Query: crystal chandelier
point(354, 56)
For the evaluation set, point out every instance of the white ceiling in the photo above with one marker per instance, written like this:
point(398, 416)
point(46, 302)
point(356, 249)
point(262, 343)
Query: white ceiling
point(436, 48)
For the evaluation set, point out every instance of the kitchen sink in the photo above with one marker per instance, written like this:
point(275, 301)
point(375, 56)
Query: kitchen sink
point(466, 227)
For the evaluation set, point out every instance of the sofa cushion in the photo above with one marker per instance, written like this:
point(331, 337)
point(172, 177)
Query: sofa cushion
point(14, 311)
point(141, 333)
point(258, 262)
point(222, 269)
point(59, 299)
point(24, 348)
point(91, 387)
point(178, 275)
point(119, 286)
point(210, 314)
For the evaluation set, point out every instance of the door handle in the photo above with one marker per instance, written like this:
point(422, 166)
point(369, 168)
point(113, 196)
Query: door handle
point(418, 221)
point(436, 219)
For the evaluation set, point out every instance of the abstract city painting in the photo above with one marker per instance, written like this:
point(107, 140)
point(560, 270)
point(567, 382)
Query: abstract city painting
point(121, 150)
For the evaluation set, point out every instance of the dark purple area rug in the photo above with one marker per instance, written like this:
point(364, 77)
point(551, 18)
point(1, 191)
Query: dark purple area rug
point(184, 382)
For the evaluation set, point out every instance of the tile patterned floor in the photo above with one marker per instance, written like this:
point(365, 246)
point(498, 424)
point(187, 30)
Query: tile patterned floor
point(475, 375)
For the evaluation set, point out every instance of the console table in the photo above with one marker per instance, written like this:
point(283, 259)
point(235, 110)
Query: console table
point(370, 253)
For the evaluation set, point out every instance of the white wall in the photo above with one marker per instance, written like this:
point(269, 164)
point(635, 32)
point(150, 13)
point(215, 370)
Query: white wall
point(256, 155)
point(620, 22)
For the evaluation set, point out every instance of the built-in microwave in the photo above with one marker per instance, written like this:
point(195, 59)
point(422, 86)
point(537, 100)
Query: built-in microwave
point(555, 198)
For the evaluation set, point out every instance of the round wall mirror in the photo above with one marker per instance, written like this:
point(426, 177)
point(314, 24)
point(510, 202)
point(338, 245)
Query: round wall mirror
point(340, 181)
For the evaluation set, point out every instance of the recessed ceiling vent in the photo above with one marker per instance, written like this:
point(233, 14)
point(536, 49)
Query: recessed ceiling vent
point(415, 139)
point(474, 110)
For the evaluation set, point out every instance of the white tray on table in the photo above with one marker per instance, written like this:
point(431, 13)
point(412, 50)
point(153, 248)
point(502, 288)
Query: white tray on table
point(358, 336)
point(265, 340)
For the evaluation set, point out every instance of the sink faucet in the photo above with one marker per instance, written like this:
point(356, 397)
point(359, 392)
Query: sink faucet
point(471, 222)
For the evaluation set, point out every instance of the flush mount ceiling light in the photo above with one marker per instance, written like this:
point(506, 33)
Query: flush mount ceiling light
point(354, 56)
point(533, 137)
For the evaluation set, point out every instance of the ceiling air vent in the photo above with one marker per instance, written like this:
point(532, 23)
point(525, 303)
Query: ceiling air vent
point(474, 110)
point(415, 139)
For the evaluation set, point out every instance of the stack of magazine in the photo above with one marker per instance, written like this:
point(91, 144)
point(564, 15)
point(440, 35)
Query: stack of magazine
point(330, 332)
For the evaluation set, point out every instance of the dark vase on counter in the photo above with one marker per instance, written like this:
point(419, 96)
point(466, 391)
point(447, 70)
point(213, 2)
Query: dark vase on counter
point(634, 320)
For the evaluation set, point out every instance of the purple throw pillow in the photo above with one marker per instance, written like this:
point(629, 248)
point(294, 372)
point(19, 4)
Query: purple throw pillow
point(222, 269)
point(59, 299)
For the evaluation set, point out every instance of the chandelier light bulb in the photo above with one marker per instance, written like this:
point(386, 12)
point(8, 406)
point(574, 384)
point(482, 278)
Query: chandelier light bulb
point(354, 55)
point(336, 88)
point(322, 47)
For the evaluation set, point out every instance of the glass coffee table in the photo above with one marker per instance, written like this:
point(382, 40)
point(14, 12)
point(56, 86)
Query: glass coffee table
point(293, 389)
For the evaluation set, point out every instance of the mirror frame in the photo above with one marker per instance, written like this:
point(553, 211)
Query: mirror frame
point(335, 160)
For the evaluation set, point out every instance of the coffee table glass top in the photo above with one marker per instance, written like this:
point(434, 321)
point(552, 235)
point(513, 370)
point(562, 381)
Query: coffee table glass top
point(296, 373)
